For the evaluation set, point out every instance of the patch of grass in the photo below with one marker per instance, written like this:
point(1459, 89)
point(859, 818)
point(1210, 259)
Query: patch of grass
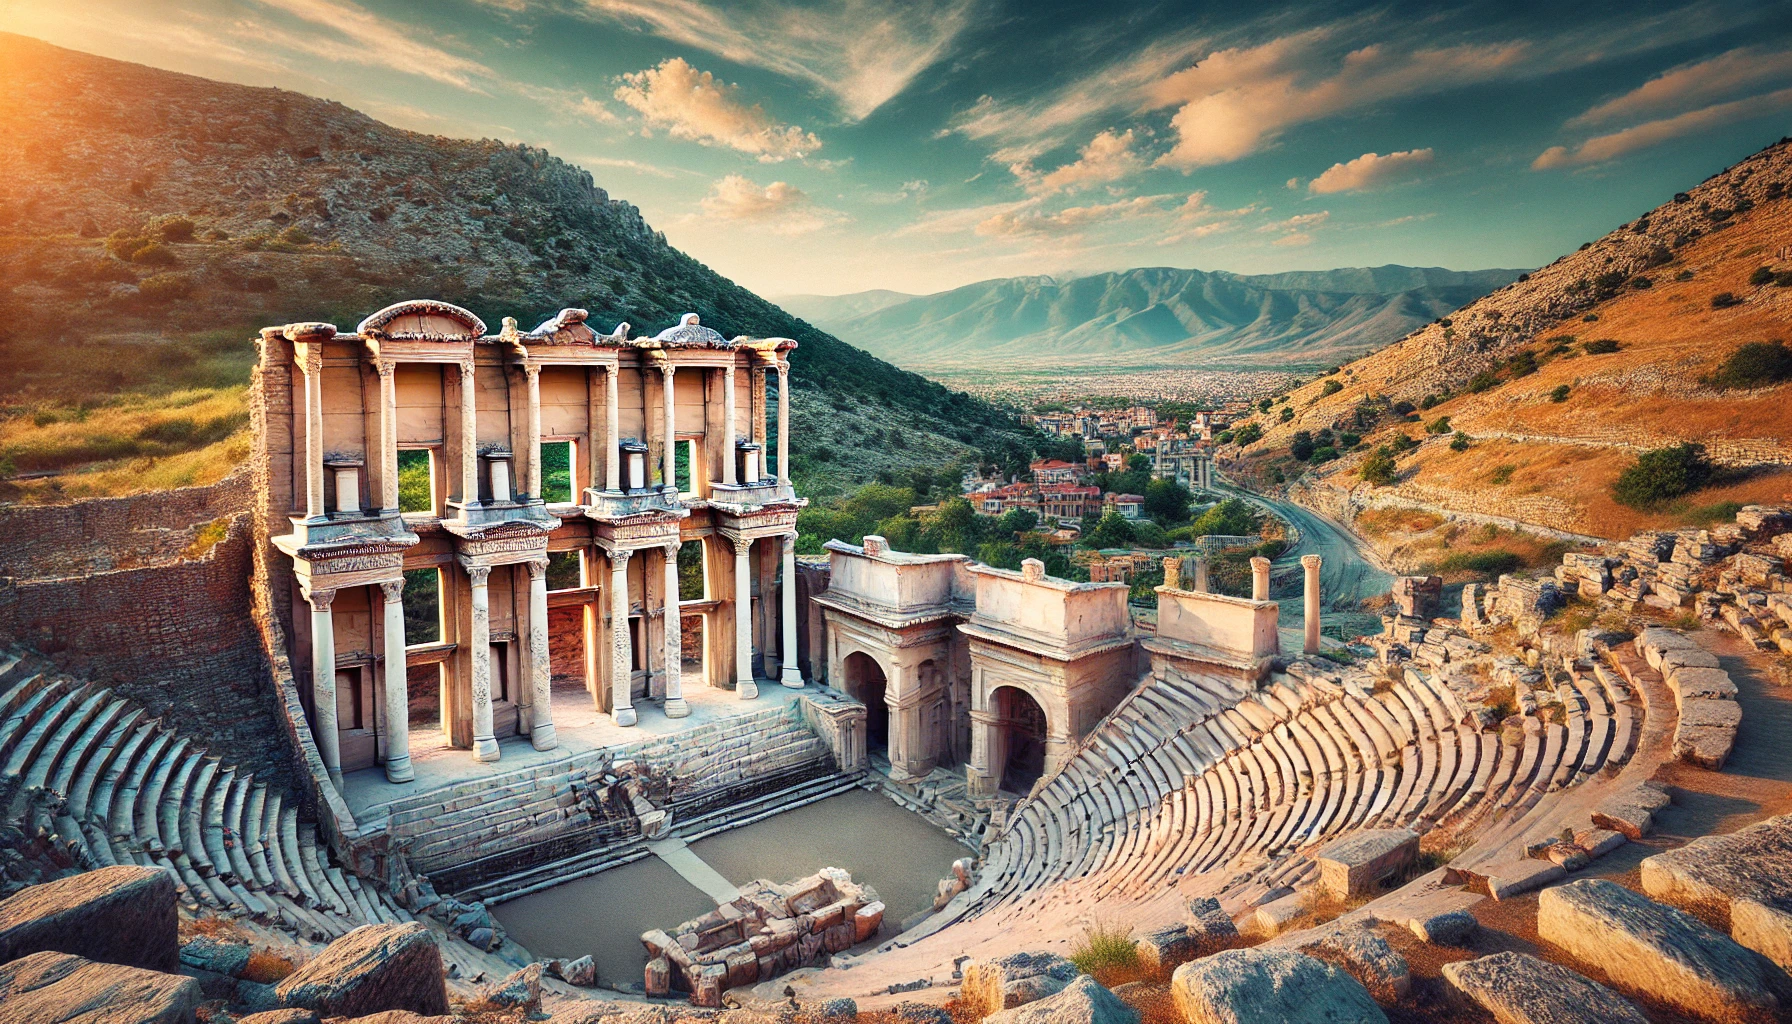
point(1378, 521)
point(1601, 346)
point(206, 538)
point(266, 967)
point(1107, 953)
point(1487, 563)
point(1686, 621)
point(1502, 474)
point(1713, 514)
point(64, 436)
point(1503, 700)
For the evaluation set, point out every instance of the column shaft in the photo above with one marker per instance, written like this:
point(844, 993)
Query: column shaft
point(469, 435)
point(541, 674)
point(313, 367)
point(485, 740)
point(323, 682)
point(728, 455)
point(1259, 579)
point(790, 674)
point(532, 484)
point(398, 694)
point(612, 455)
point(676, 706)
point(670, 470)
point(388, 437)
point(622, 687)
point(744, 685)
point(783, 424)
point(1311, 564)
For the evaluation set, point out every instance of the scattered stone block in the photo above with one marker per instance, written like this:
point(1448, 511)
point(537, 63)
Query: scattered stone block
point(1520, 989)
point(1270, 986)
point(1744, 878)
point(1450, 928)
point(1652, 948)
point(1632, 814)
point(520, 990)
point(375, 967)
point(1272, 917)
point(1700, 682)
point(1209, 925)
point(1599, 841)
point(581, 972)
point(1013, 980)
point(117, 915)
point(1165, 948)
point(1359, 863)
point(285, 1015)
point(1706, 732)
point(1083, 1001)
point(1521, 876)
point(51, 987)
point(1686, 657)
point(1367, 957)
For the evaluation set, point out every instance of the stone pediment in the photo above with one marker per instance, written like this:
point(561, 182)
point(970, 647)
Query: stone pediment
point(690, 334)
point(423, 320)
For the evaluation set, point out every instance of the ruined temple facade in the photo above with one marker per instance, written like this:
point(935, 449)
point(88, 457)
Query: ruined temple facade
point(479, 521)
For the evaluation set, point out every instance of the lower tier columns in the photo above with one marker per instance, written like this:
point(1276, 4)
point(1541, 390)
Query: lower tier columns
point(744, 686)
point(622, 697)
point(398, 705)
point(323, 682)
point(791, 675)
point(541, 676)
point(676, 706)
point(485, 740)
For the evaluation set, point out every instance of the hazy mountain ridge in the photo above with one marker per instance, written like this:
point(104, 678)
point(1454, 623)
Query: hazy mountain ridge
point(1152, 315)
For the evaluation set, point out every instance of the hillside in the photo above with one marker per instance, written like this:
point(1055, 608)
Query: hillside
point(1561, 379)
point(1150, 316)
point(151, 221)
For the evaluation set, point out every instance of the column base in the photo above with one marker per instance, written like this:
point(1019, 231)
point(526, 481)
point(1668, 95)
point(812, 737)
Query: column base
point(336, 778)
point(542, 737)
point(791, 677)
point(677, 707)
point(746, 689)
point(400, 770)
point(978, 783)
point(624, 716)
point(485, 750)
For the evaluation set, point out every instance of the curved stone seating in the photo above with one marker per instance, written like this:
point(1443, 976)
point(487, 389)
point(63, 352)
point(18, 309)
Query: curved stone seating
point(94, 773)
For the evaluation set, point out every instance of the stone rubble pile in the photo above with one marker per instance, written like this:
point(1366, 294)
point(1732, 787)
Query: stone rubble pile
point(768, 930)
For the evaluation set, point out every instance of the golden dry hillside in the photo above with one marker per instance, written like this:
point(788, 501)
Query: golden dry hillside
point(1551, 413)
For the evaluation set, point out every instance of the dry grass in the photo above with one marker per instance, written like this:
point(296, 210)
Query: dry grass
point(266, 967)
point(1380, 522)
point(206, 538)
point(195, 468)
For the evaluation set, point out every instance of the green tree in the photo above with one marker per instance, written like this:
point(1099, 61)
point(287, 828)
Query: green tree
point(1301, 447)
point(1231, 517)
point(1018, 520)
point(1247, 433)
point(1166, 502)
point(1662, 475)
point(1113, 531)
point(1379, 468)
point(1331, 387)
point(1139, 462)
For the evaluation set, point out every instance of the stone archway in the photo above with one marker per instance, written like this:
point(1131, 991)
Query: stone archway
point(1021, 739)
point(865, 682)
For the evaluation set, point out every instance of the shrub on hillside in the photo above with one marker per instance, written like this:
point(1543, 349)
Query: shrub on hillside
point(1441, 425)
point(1460, 442)
point(1762, 275)
point(1287, 414)
point(165, 287)
point(1521, 365)
point(1662, 475)
point(1301, 446)
point(1502, 474)
point(1601, 346)
point(1332, 387)
point(1757, 364)
point(1481, 382)
point(180, 229)
point(1559, 394)
point(1379, 468)
point(1724, 300)
point(1324, 453)
point(1487, 563)
point(155, 254)
point(1247, 434)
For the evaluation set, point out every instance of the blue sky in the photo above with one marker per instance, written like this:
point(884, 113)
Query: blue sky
point(838, 145)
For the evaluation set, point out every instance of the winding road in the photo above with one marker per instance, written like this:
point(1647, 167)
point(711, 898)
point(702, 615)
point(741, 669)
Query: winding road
point(1349, 574)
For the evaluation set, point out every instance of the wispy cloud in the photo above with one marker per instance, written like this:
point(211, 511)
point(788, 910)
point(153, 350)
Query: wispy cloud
point(1371, 170)
point(1108, 157)
point(695, 105)
point(1602, 148)
point(1073, 219)
point(367, 39)
point(624, 164)
point(1695, 85)
point(779, 207)
point(862, 52)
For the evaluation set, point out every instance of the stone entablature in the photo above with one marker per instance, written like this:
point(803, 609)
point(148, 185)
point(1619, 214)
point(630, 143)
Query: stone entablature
point(1217, 632)
point(1058, 618)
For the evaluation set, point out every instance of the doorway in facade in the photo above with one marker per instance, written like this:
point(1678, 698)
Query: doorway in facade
point(865, 682)
point(1023, 734)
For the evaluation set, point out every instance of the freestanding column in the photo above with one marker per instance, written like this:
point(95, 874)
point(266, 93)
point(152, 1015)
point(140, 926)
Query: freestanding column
point(398, 693)
point(791, 675)
point(612, 453)
point(541, 677)
point(1311, 564)
point(744, 685)
point(783, 423)
point(485, 740)
point(676, 707)
point(622, 686)
point(323, 682)
point(670, 470)
point(313, 366)
point(1259, 578)
point(469, 440)
point(388, 437)
point(728, 454)
point(1201, 574)
point(532, 485)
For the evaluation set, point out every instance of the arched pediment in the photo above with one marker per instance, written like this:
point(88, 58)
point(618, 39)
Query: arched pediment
point(690, 334)
point(422, 320)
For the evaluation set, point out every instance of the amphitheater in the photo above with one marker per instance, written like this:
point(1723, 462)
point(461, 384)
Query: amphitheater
point(490, 616)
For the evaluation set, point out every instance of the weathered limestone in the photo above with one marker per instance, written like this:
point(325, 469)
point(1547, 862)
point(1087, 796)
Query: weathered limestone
point(789, 674)
point(1310, 564)
point(118, 915)
point(60, 988)
point(1083, 1001)
point(1655, 949)
point(485, 740)
point(744, 685)
point(397, 689)
point(676, 705)
point(1359, 863)
point(989, 986)
point(1450, 928)
point(323, 677)
point(1416, 597)
point(622, 689)
point(1270, 986)
point(1260, 578)
point(1365, 956)
point(1744, 879)
point(541, 679)
point(375, 967)
point(1632, 813)
point(1516, 877)
point(1520, 989)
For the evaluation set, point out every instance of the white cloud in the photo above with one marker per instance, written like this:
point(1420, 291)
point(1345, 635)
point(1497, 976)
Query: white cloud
point(1073, 219)
point(628, 165)
point(1693, 85)
point(1197, 218)
point(780, 206)
point(1369, 171)
point(1108, 157)
point(908, 190)
point(862, 52)
point(1300, 224)
point(695, 105)
point(1651, 133)
point(369, 40)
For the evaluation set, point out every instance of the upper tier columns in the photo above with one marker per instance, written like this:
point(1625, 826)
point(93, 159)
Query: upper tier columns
point(311, 361)
point(1259, 578)
point(323, 681)
point(469, 441)
point(612, 427)
point(676, 706)
point(388, 436)
point(670, 470)
point(1311, 564)
point(485, 740)
point(790, 674)
point(728, 455)
point(541, 678)
point(622, 692)
point(532, 485)
point(783, 423)
point(744, 685)
point(398, 710)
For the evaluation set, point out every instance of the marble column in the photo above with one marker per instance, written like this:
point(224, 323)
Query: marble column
point(532, 484)
point(1311, 564)
point(313, 366)
point(728, 453)
point(1201, 585)
point(388, 436)
point(485, 740)
point(983, 775)
point(783, 423)
point(398, 703)
point(469, 440)
point(676, 706)
point(622, 687)
point(790, 674)
point(612, 428)
point(670, 470)
point(541, 676)
point(1259, 578)
point(323, 682)
point(744, 686)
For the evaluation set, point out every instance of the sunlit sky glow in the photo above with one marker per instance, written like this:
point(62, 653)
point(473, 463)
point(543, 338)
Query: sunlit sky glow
point(841, 145)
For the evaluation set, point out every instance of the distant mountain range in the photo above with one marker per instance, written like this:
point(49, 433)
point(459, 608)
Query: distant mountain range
point(1149, 317)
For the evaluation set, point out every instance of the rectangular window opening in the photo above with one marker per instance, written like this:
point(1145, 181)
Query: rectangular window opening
point(556, 471)
point(417, 480)
point(422, 606)
point(566, 569)
point(684, 456)
point(693, 581)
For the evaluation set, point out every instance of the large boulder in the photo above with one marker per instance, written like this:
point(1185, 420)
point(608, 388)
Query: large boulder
point(1083, 1001)
point(520, 990)
point(1270, 986)
point(1521, 989)
point(375, 967)
point(1743, 879)
point(1643, 945)
point(50, 988)
point(1209, 925)
point(1365, 956)
point(1008, 981)
point(116, 915)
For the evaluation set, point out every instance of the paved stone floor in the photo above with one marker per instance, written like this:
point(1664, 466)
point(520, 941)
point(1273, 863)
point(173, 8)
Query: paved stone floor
point(579, 727)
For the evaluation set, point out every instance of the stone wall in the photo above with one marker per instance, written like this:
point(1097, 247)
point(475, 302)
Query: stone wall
point(105, 534)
